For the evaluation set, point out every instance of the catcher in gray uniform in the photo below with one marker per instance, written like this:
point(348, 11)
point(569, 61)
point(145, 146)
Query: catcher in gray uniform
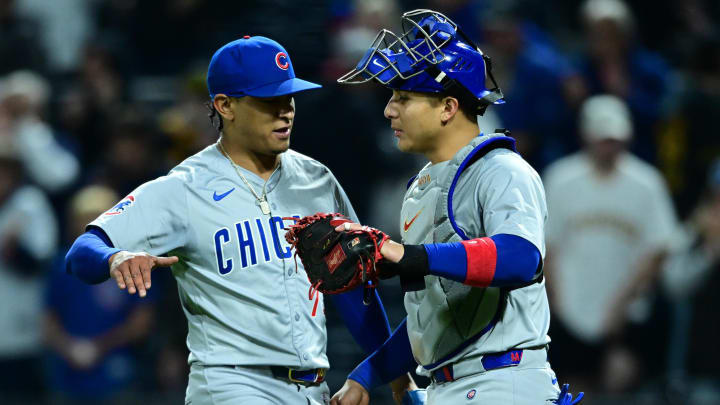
point(472, 224)
point(254, 335)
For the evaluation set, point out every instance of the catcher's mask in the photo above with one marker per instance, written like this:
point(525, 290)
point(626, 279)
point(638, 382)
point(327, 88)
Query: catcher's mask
point(431, 55)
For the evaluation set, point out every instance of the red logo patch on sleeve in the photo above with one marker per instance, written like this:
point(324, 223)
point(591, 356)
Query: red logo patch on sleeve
point(334, 258)
point(121, 206)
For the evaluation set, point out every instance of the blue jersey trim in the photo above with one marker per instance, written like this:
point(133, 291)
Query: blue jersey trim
point(410, 182)
point(504, 141)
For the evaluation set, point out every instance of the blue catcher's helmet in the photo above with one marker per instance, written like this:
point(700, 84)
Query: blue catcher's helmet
point(431, 55)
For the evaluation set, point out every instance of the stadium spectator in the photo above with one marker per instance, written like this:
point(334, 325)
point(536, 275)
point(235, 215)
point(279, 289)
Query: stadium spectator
point(28, 238)
point(610, 219)
point(92, 359)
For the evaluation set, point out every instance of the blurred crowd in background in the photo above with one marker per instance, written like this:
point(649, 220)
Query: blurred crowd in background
point(614, 102)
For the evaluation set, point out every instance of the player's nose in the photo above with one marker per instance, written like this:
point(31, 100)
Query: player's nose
point(288, 113)
point(287, 109)
point(390, 111)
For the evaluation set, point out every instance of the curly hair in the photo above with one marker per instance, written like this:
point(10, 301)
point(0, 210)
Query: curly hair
point(214, 114)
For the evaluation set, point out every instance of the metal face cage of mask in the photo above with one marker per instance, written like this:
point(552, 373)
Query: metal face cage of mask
point(431, 44)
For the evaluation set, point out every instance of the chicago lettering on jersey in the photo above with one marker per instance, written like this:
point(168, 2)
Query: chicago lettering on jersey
point(250, 241)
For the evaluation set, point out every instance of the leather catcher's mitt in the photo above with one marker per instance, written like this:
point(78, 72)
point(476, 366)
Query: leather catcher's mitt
point(336, 262)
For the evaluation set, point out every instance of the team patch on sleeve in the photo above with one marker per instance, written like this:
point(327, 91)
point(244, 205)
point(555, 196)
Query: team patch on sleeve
point(120, 207)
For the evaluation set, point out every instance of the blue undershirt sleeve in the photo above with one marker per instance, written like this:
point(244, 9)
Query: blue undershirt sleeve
point(447, 260)
point(88, 257)
point(517, 260)
point(368, 324)
point(393, 359)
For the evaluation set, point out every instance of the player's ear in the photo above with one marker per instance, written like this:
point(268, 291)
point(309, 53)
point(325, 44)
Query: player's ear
point(450, 107)
point(222, 105)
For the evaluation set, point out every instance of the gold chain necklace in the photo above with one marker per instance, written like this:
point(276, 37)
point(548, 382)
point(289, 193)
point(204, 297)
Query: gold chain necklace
point(262, 201)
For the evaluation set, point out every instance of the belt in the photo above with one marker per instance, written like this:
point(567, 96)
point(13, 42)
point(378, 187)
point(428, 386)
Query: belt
point(306, 377)
point(490, 361)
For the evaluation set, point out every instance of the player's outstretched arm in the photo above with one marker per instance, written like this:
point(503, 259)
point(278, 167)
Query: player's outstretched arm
point(498, 261)
point(93, 259)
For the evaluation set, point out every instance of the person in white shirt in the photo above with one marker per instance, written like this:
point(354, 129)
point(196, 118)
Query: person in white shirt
point(23, 98)
point(28, 239)
point(610, 220)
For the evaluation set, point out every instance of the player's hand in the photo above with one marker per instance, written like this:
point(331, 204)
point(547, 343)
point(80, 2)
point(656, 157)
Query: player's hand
point(402, 385)
point(390, 250)
point(132, 269)
point(352, 393)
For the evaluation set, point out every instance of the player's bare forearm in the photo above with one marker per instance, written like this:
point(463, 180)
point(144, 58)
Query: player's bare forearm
point(131, 270)
point(392, 251)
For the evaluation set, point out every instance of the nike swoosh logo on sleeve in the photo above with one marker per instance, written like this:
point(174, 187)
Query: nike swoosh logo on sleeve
point(407, 224)
point(218, 197)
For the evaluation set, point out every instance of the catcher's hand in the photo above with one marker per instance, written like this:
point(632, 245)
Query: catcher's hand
point(336, 261)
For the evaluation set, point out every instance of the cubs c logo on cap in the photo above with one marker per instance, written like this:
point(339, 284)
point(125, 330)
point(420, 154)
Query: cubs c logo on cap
point(281, 60)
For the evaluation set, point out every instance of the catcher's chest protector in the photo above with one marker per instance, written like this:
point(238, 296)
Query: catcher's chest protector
point(446, 314)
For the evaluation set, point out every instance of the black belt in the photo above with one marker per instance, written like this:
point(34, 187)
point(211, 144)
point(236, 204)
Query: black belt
point(306, 377)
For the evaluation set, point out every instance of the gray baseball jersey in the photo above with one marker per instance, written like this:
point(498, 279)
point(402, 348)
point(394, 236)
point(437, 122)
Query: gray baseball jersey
point(245, 302)
point(498, 194)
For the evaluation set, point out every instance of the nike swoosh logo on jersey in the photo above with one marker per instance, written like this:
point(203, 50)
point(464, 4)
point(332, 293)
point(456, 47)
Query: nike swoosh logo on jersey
point(407, 224)
point(218, 197)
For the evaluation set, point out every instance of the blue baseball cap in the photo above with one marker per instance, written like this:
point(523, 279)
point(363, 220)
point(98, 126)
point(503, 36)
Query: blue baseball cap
point(253, 66)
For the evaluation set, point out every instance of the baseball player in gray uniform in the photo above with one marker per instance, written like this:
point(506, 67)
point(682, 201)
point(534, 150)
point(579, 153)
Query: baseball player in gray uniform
point(254, 334)
point(472, 225)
